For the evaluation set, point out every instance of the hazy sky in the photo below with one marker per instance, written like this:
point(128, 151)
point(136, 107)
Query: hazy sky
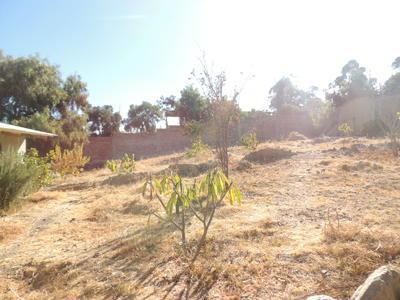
point(129, 51)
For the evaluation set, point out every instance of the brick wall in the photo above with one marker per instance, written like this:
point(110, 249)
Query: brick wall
point(143, 145)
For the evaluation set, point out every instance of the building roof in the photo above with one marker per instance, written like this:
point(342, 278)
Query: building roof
point(23, 131)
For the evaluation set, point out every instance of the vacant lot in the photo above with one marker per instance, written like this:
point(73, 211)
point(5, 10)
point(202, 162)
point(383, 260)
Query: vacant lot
point(315, 222)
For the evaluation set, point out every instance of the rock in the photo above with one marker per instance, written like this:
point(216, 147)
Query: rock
point(320, 297)
point(382, 284)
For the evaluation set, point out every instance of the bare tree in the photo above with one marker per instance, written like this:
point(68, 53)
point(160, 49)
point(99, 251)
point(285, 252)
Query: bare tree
point(224, 109)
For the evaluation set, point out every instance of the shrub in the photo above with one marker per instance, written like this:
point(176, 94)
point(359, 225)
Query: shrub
point(200, 199)
point(391, 126)
point(198, 147)
point(15, 177)
point(44, 173)
point(112, 165)
point(68, 161)
point(345, 129)
point(250, 141)
point(373, 129)
point(125, 165)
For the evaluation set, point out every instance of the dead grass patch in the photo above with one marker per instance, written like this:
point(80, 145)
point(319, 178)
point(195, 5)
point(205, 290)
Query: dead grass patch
point(98, 215)
point(45, 196)
point(296, 136)
point(7, 231)
point(49, 276)
point(351, 252)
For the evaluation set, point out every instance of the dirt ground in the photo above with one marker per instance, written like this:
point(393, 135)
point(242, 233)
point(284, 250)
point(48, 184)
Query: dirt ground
point(317, 222)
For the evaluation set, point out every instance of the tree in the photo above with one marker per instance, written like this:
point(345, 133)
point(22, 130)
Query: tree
point(192, 106)
point(103, 121)
point(224, 110)
point(75, 96)
point(396, 64)
point(284, 92)
point(143, 117)
point(392, 85)
point(352, 83)
point(27, 86)
point(33, 94)
point(167, 104)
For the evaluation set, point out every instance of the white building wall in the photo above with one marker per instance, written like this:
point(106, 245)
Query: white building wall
point(13, 142)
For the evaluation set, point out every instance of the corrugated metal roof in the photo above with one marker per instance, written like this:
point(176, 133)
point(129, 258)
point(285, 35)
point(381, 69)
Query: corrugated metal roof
point(4, 127)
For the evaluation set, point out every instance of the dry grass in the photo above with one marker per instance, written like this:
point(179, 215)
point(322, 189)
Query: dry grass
point(306, 226)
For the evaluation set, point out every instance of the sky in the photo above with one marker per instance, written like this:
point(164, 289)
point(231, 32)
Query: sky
point(129, 51)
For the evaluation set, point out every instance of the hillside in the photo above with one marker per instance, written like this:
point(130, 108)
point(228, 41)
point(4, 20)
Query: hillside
point(317, 222)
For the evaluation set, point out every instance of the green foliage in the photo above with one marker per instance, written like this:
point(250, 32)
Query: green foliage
point(197, 148)
point(192, 106)
point(33, 94)
point(28, 85)
point(250, 141)
point(352, 83)
point(143, 117)
point(68, 161)
point(103, 121)
point(44, 175)
point(125, 165)
point(112, 165)
point(284, 93)
point(345, 129)
point(128, 164)
point(200, 199)
point(392, 85)
point(16, 177)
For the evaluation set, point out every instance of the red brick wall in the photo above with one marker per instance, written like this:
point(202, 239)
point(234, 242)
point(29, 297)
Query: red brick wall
point(164, 141)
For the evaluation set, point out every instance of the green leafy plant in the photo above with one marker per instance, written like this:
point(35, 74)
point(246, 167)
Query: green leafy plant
point(198, 147)
point(15, 177)
point(45, 174)
point(200, 199)
point(112, 165)
point(250, 141)
point(68, 161)
point(125, 165)
point(345, 129)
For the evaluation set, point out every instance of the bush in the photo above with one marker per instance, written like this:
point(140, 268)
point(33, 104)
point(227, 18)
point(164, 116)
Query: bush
point(68, 161)
point(345, 129)
point(125, 165)
point(128, 164)
point(16, 177)
point(197, 148)
point(250, 141)
point(373, 129)
point(112, 165)
point(44, 172)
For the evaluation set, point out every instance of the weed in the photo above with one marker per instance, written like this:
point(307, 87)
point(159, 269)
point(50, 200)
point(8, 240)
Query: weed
point(250, 141)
